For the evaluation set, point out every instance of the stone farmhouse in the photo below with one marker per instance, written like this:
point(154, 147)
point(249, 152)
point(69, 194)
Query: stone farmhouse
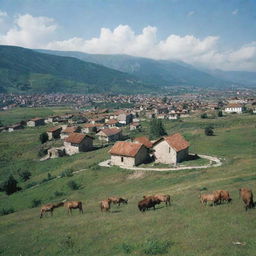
point(172, 149)
point(78, 142)
point(35, 122)
point(69, 130)
point(128, 154)
point(15, 127)
point(109, 134)
point(54, 133)
point(112, 123)
point(235, 108)
point(90, 128)
point(125, 118)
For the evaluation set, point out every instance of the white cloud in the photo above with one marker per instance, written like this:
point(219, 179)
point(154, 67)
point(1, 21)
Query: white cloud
point(29, 31)
point(191, 13)
point(3, 16)
point(235, 12)
point(39, 32)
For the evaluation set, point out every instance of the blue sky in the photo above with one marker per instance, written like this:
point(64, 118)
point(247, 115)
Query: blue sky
point(215, 33)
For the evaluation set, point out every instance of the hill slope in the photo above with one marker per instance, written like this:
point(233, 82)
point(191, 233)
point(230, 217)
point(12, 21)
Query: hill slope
point(25, 70)
point(160, 72)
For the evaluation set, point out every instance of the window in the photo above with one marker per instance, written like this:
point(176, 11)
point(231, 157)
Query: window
point(122, 159)
point(169, 150)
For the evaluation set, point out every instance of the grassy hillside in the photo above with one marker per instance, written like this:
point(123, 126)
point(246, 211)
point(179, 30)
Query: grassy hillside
point(27, 71)
point(185, 228)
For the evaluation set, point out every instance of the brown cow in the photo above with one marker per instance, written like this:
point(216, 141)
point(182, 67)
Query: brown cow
point(163, 198)
point(105, 205)
point(205, 198)
point(118, 200)
point(49, 208)
point(247, 197)
point(70, 205)
point(147, 203)
point(223, 195)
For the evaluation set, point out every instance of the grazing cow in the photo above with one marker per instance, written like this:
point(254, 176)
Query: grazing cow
point(147, 203)
point(118, 200)
point(70, 205)
point(49, 208)
point(223, 195)
point(163, 198)
point(247, 197)
point(105, 205)
point(205, 198)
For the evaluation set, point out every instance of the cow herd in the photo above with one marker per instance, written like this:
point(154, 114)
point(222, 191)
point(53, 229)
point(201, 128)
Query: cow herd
point(216, 197)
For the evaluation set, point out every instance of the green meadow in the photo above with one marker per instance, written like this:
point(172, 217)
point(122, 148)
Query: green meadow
point(185, 228)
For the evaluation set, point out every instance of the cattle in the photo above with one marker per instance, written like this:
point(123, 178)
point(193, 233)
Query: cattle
point(163, 198)
point(105, 205)
point(49, 208)
point(247, 197)
point(223, 195)
point(205, 198)
point(118, 200)
point(70, 205)
point(148, 203)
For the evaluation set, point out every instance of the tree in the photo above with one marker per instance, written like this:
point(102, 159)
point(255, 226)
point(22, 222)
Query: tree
point(220, 114)
point(156, 128)
point(209, 131)
point(25, 175)
point(204, 115)
point(43, 137)
point(10, 186)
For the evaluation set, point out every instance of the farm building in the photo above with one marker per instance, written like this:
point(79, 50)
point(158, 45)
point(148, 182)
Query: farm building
point(15, 127)
point(143, 140)
point(35, 122)
point(109, 134)
point(235, 108)
point(90, 128)
point(69, 130)
point(125, 118)
point(135, 126)
point(78, 142)
point(171, 149)
point(111, 123)
point(128, 154)
point(54, 132)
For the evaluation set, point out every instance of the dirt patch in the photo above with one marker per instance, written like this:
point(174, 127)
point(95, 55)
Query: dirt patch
point(136, 175)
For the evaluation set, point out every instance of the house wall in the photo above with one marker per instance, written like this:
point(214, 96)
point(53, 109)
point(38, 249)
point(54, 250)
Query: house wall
point(164, 153)
point(71, 149)
point(141, 156)
point(127, 161)
point(86, 145)
point(232, 110)
point(182, 155)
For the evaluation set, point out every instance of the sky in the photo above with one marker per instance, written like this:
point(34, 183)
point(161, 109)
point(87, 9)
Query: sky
point(216, 34)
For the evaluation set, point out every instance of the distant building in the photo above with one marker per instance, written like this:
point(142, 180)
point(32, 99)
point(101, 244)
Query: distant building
point(171, 149)
point(143, 140)
point(35, 122)
point(54, 133)
point(52, 119)
point(109, 134)
point(128, 154)
point(111, 123)
point(235, 108)
point(125, 118)
point(78, 142)
point(69, 130)
point(135, 126)
point(90, 128)
point(15, 127)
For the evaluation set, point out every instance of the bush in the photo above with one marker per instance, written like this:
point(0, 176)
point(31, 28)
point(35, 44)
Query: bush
point(209, 131)
point(154, 247)
point(10, 186)
point(66, 173)
point(43, 137)
point(31, 184)
point(49, 177)
point(156, 128)
point(127, 248)
point(6, 211)
point(220, 114)
point(25, 175)
point(35, 203)
point(204, 116)
point(73, 185)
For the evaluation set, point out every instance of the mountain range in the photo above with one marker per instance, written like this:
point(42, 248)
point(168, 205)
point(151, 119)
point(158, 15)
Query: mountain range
point(44, 71)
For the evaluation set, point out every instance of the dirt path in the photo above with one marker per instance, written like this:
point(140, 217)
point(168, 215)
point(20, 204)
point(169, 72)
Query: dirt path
point(214, 162)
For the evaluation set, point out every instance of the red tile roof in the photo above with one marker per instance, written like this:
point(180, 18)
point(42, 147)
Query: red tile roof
point(76, 138)
point(111, 131)
point(125, 148)
point(145, 141)
point(70, 129)
point(177, 142)
point(112, 121)
point(53, 129)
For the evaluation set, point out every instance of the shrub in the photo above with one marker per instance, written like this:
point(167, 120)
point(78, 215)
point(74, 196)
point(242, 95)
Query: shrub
point(43, 137)
point(6, 211)
point(49, 177)
point(220, 114)
point(127, 248)
point(35, 203)
point(204, 116)
point(31, 184)
point(25, 175)
point(73, 185)
point(66, 173)
point(208, 131)
point(154, 247)
point(10, 186)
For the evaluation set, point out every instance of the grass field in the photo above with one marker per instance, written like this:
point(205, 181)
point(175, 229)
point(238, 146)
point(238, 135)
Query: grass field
point(184, 228)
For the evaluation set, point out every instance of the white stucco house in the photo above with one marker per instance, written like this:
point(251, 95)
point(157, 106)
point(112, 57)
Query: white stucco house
point(171, 149)
point(235, 108)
